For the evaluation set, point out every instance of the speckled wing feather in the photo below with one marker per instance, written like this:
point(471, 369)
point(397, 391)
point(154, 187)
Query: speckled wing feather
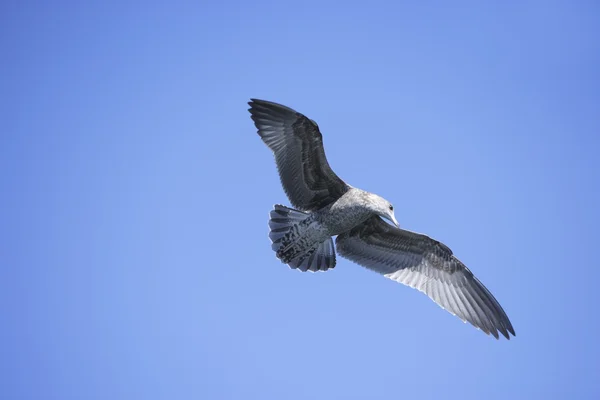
point(297, 143)
point(427, 265)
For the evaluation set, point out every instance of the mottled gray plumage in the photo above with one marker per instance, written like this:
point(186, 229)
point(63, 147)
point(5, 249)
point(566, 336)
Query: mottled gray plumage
point(327, 206)
point(297, 144)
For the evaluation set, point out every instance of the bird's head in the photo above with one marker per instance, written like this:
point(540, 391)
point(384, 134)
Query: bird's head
point(383, 208)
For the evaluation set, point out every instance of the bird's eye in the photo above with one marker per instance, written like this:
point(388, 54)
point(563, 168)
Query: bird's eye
point(391, 207)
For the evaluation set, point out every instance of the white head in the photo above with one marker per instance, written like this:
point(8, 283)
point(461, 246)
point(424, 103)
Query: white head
point(383, 208)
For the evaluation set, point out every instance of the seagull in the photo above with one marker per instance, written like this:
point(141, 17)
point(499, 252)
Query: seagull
point(326, 206)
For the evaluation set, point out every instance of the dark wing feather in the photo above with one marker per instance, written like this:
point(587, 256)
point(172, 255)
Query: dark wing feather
point(427, 265)
point(297, 143)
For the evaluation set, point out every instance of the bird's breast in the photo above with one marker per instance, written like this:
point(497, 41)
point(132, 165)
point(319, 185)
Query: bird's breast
point(340, 218)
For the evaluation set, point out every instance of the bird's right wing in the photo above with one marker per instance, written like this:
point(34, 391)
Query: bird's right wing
point(296, 141)
point(427, 265)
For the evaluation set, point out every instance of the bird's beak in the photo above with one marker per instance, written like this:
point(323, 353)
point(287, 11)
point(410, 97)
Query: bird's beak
point(395, 222)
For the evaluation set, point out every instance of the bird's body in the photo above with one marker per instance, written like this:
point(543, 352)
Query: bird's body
point(351, 209)
point(327, 206)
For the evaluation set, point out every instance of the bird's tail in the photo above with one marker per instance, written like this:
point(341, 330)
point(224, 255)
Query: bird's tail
point(286, 235)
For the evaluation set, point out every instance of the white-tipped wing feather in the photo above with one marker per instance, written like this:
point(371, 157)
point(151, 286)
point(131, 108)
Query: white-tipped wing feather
point(427, 265)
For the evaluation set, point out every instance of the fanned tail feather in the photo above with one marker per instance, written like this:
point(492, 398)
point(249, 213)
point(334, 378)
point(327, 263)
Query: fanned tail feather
point(284, 224)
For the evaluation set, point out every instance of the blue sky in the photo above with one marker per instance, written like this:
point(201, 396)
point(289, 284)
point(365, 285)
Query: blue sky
point(135, 261)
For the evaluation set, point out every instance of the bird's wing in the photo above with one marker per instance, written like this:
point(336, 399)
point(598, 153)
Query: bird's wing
point(297, 143)
point(427, 265)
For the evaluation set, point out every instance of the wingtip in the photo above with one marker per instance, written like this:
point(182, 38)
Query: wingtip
point(256, 105)
point(507, 332)
point(252, 104)
point(506, 327)
point(271, 107)
point(512, 331)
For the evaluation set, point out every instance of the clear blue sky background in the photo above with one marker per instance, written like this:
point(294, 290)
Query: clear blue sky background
point(134, 257)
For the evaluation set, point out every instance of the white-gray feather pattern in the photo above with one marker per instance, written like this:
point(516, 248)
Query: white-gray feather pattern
point(428, 266)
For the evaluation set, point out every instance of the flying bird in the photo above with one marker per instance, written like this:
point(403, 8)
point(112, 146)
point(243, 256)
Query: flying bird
point(326, 206)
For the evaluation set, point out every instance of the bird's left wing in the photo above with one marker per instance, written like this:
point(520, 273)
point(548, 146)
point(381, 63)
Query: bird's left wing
point(427, 265)
point(297, 143)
